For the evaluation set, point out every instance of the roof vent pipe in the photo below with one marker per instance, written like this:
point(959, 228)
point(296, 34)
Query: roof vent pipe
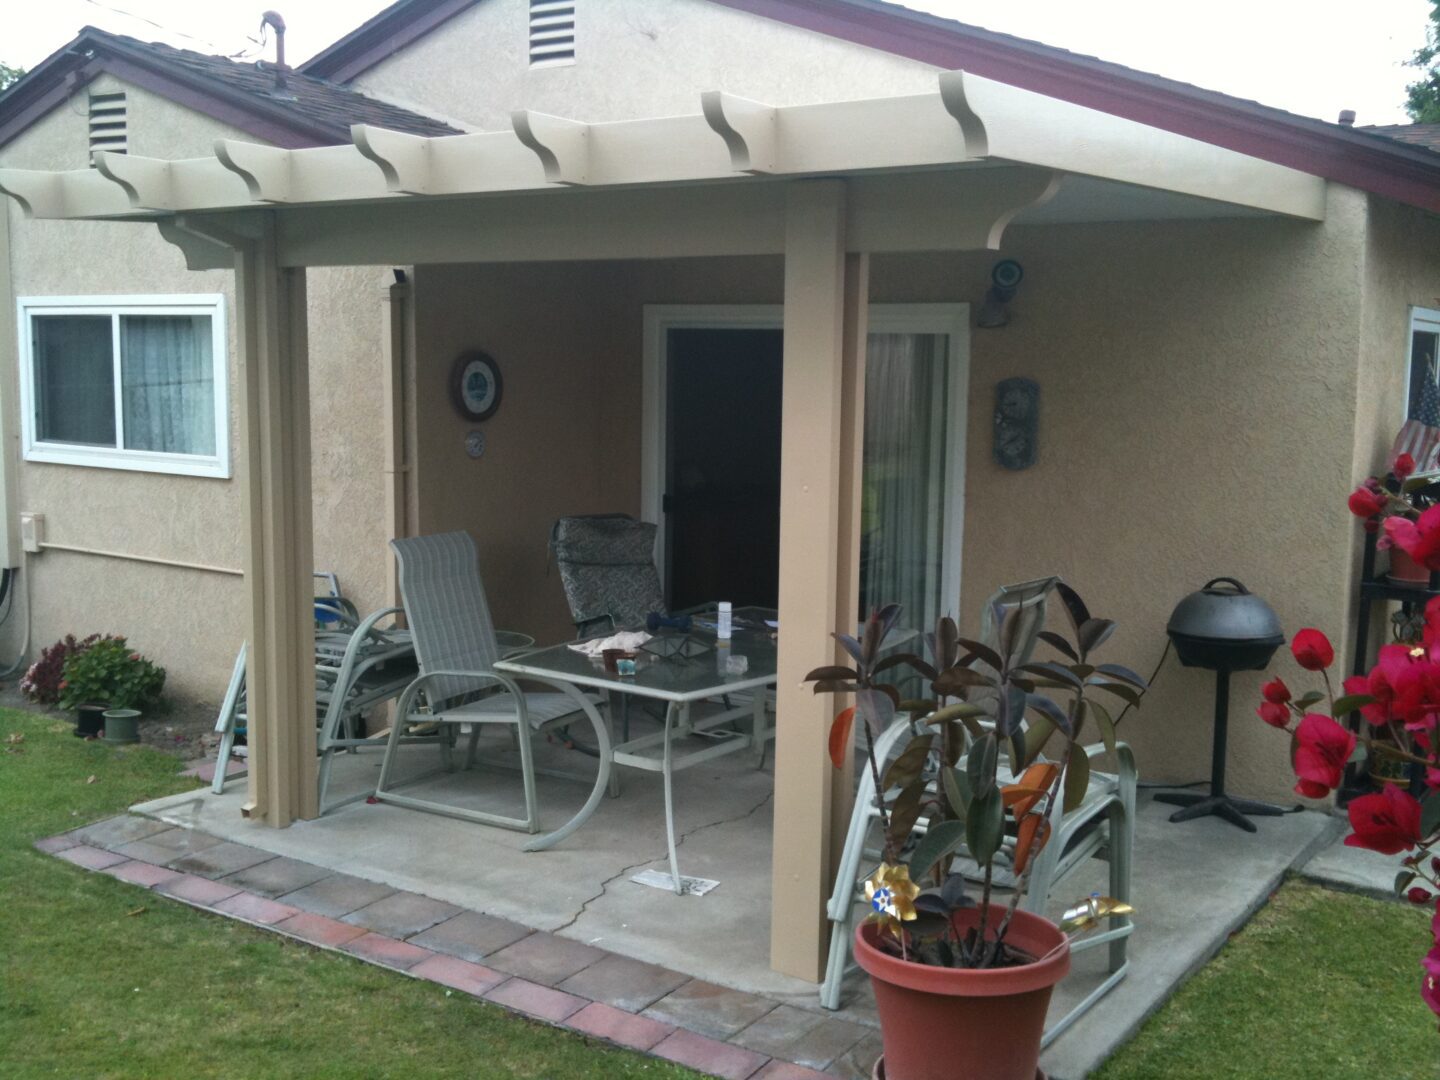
point(275, 21)
point(1347, 118)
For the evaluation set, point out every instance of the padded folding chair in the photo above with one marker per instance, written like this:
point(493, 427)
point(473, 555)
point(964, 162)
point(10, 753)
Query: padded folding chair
point(456, 646)
point(1102, 826)
point(607, 567)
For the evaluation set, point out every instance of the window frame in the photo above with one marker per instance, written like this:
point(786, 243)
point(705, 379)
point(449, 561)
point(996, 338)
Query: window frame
point(1424, 319)
point(215, 466)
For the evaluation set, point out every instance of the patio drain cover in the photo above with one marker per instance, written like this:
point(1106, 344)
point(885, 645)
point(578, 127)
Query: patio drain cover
point(659, 879)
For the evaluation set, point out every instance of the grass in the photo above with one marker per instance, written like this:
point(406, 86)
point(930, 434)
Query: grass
point(1319, 984)
point(100, 979)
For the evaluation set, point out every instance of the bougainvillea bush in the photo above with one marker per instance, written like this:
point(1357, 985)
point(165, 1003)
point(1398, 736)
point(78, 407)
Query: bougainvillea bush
point(1399, 700)
point(110, 671)
point(42, 681)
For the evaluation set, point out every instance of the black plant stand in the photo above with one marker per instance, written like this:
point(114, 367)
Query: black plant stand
point(1217, 802)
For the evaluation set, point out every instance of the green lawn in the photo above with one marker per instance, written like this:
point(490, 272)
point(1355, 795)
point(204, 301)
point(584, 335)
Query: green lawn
point(1318, 984)
point(100, 979)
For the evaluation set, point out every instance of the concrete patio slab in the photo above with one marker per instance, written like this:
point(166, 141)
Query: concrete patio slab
point(1353, 869)
point(168, 845)
point(219, 860)
point(112, 832)
point(276, 877)
point(1195, 884)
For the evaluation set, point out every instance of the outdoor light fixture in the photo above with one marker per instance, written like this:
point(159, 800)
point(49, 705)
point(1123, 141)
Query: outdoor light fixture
point(1005, 278)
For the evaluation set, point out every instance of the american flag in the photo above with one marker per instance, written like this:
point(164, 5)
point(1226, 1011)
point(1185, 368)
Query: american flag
point(1420, 437)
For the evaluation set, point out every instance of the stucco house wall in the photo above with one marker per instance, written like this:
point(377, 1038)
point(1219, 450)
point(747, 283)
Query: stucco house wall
point(1199, 385)
point(190, 621)
point(634, 58)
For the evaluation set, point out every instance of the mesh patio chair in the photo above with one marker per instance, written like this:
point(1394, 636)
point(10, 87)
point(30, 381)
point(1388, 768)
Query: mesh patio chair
point(456, 645)
point(607, 567)
point(1102, 827)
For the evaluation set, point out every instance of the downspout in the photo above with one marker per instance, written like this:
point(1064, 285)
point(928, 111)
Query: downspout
point(398, 349)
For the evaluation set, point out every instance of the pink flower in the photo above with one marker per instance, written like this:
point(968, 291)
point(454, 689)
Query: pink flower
point(1274, 714)
point(1387, 822)
point(1418, 539)
point(1324, 749)
point(1312, 649)
point(1404, 466)
point(1365, 503)
point(1276, 691)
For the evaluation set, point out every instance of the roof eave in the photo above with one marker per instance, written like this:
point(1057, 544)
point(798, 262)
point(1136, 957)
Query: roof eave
point(380, 37)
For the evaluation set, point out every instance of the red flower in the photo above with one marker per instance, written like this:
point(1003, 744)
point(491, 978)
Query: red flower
point(1388, 822)
point(1404, 466)
point(1365, 503)
point(1417, 895)
point(1313, 650)
point(1276, 692)
point(1311, 790)
point(1274, 714)
point(1418, 539)
point(1320, 758)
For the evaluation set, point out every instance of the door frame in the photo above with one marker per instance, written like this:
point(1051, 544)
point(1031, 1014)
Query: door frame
point(952, 320)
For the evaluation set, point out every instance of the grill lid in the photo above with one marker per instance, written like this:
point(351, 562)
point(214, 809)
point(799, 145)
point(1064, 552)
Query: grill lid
point(1224, 625)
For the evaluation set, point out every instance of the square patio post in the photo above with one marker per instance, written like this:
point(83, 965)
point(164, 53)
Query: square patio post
point(275, 443)
point(818, 521)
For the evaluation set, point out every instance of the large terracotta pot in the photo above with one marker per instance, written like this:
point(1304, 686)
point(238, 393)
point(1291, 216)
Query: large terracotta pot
point(943, 1023)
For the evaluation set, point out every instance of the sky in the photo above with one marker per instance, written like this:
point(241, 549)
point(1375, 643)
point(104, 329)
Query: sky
point(1313, 57)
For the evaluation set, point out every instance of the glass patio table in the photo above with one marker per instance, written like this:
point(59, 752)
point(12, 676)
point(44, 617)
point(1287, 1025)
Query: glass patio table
point(679, 681)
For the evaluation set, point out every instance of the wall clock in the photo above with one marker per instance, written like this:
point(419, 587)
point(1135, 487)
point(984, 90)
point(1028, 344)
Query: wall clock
point(475, 385)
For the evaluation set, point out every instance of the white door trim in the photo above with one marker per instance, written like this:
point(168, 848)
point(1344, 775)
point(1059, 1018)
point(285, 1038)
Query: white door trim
point(953, 320)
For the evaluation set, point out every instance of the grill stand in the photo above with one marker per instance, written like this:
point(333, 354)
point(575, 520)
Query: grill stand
point(1217, 802)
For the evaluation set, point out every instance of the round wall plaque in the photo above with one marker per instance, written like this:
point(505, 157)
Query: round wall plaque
point(475, 385)
point(475, 443)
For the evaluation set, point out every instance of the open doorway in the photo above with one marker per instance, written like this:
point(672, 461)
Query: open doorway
point(712, 454)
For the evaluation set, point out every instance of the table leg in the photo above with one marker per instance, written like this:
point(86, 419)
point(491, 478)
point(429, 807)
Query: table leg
point(602, 771)
point(757, 728)
point(670, 718)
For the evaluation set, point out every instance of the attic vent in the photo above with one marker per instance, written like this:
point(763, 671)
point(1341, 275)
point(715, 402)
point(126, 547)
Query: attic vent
point(107, 122)
point(552, 32)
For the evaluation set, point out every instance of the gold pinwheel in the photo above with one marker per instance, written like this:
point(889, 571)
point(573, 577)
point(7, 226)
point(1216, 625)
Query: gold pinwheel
point(1087, 914)
point(891, 896)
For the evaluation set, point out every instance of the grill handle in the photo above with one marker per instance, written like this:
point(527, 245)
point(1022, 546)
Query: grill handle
point(1239, 588)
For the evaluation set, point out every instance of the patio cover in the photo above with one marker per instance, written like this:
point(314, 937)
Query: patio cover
point(823, 185)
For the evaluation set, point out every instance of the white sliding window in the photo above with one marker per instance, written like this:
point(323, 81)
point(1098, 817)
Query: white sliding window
point(125, 382)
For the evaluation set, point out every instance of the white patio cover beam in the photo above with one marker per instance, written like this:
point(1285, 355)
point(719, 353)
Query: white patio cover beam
point(967, 120)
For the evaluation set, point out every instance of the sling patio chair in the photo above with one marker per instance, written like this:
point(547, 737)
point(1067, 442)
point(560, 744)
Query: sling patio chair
point(607, 568)
point(456, 646)
point(1101, 827)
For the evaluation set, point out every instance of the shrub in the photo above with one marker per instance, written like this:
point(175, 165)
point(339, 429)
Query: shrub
point(42, 682)
point(111, 672)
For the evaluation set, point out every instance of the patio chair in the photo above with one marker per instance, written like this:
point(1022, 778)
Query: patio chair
point(607, 567)
point(1103, 827)
point(456, 646)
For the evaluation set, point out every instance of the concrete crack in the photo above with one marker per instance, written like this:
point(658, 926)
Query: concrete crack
point(679, 840)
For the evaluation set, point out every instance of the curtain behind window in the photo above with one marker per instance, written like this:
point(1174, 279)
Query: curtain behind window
point(167, 383)
point(903, 492)
point(74, 379)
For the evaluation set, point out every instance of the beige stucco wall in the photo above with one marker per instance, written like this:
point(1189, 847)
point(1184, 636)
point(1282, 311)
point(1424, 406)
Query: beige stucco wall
point(634, 58)
point(1198, 386)
point(190, 621)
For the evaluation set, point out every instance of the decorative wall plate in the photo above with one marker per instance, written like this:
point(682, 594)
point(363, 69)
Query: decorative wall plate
point(475, 443)
point(475, 385)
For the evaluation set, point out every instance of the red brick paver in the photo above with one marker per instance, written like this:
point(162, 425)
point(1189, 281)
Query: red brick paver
point(319, 929)
point(536, 1000)
point(616, 1025)
point(256, 909)
point(709, 1055)
point(53, 845)
point(379, 949)
point(459, 974)
point(91, 858)
point(142, 873)
point(783, 1070)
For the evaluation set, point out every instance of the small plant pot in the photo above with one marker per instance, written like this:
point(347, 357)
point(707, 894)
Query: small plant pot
point(938, 1023)
point(1406, 571)
point(90, 719)
point(122, 726)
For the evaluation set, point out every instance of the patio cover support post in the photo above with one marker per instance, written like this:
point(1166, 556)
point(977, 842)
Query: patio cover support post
point(397, 341)
point(814, 487)
point(279, 546)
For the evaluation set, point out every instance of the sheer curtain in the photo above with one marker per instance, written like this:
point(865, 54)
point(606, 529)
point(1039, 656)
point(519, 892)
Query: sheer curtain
point(903, 495)
point(74, 379)
point(167, 383)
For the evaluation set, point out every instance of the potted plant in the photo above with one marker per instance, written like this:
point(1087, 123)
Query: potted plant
point(1399, 701)
point(43, 682)
point(962, 982)
point(110, 671)
point(1405, 507)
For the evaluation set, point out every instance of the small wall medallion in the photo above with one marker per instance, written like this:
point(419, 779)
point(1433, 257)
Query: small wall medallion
point(1017, 422)
point(475, 443)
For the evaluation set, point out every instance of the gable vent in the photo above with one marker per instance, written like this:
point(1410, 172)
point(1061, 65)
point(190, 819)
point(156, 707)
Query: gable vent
point(552, 32)
point(107, 122)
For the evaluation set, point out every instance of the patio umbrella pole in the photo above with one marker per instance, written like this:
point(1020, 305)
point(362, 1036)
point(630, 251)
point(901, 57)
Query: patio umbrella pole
point(1217, 802)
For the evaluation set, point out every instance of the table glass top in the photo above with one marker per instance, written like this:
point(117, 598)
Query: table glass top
point(676, 676)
